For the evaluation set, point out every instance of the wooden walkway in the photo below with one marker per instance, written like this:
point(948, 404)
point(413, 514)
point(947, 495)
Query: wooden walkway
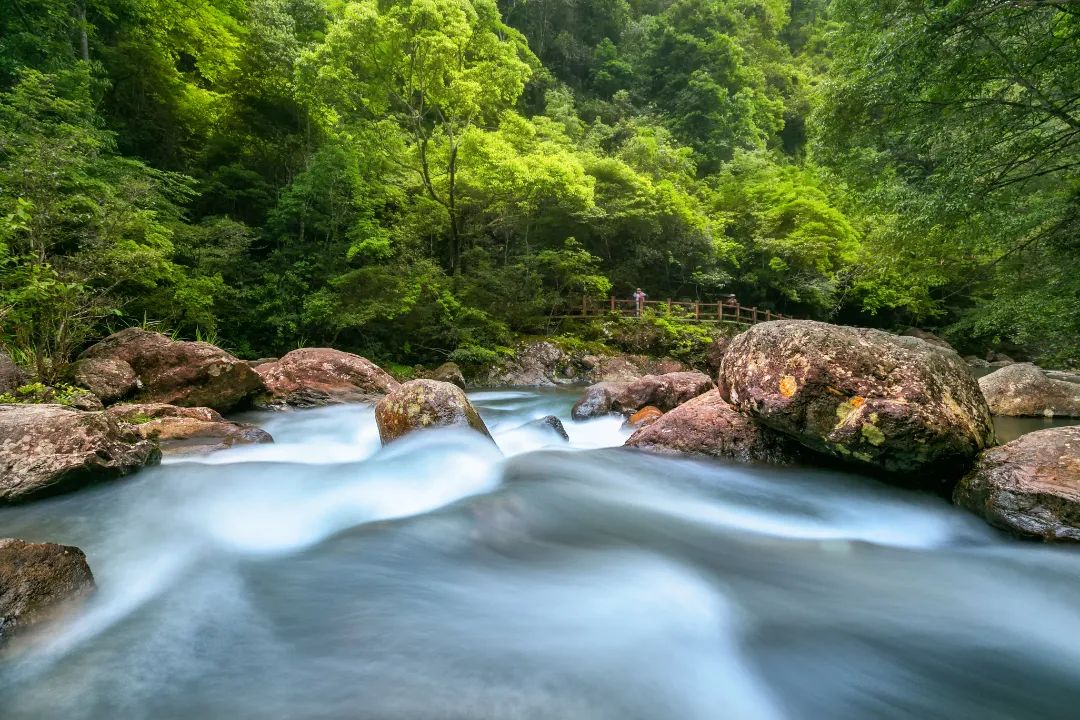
point(716, 312)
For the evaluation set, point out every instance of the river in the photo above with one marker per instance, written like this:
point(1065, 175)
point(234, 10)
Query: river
point(439, 578)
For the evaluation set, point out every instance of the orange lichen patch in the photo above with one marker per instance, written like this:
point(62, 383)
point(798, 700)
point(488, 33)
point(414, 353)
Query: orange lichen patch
point(858, 401)
point(788, 386)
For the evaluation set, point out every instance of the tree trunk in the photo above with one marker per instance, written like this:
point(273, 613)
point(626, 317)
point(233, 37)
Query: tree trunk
point(84, 42)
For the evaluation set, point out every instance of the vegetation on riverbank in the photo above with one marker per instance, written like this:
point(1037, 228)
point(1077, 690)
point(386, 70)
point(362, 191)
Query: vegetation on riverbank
point(422, 179)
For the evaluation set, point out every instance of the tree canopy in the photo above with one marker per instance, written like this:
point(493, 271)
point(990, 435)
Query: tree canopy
point(417, 178)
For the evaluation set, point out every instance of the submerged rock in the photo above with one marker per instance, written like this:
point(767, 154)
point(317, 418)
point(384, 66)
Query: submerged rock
point(51, 449)
point(709, 426)
point(422, 404)
point(662, 391)
point(1030, 486)
point(111, 379)
point(1023, 389)
point(869, 397)
point(549, 423)
point(597, 400)
point(181, 430)
point(192, 374)
point(38, 581)
point(313, 377)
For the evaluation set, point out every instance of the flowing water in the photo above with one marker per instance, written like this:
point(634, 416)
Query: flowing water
point(325, 577)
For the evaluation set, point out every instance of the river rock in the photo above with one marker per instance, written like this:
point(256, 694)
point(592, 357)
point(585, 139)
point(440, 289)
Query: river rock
point(549, 423)
point(927, 337)
point(885, 401)
point(111, 379)
point(184, 430)
point(1030, 486)
point(644, 417)
point(11, 375)
point(709, 426)
point(421, 404)
point(447, 372)
point(38, 581)
point(715, 353)
point(597, 400)
point(534, 364)
point(662, 391)
point(312, 377)
point(51, 449)
point(1022, 389)
point(192, 374)
point(975, 361)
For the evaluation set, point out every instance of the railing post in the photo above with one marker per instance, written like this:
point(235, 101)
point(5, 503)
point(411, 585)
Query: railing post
point(697, 311)
point(753, 310)
point(768, 315)
point(669, 306)
point(719, 312)
point(612, 303)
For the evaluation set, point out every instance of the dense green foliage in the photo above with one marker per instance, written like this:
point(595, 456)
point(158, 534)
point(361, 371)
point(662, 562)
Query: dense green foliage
point(417, 179)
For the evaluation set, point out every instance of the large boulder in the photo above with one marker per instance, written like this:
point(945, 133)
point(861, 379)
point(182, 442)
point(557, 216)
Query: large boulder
point(51, 449)
point(884, 401)
point(597, 400)
point(1024, 390)
point(192, 374)
point(422, 404)
point(111, 379)
point(1030, 486)
point(708, 426)
point(662, 391)
point(312, 377)
point(11, 375)
point(39, 580)
point(533, 364)
point(187, 431)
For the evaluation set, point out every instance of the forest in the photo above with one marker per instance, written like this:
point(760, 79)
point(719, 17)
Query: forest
point(418, 180)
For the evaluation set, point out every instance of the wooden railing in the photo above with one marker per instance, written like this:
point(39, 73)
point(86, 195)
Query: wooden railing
point(684, 309)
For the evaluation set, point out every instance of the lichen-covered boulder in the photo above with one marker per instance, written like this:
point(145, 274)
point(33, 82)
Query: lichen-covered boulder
point(710, 427)
point(51, 449)
point(38, 581)
point(533, 364)
point(313, 377)
point(884, 401)
point(422, 404)
point(661, 391)
point(11, 375)
point(192, 374)
point(1030, 486)
point(111, 379)
point(1024, 390)
point(597, 400)
point(187, 431)
point(644, 417)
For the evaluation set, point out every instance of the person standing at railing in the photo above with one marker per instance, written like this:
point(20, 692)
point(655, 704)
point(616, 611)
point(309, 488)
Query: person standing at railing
point(639, 301)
